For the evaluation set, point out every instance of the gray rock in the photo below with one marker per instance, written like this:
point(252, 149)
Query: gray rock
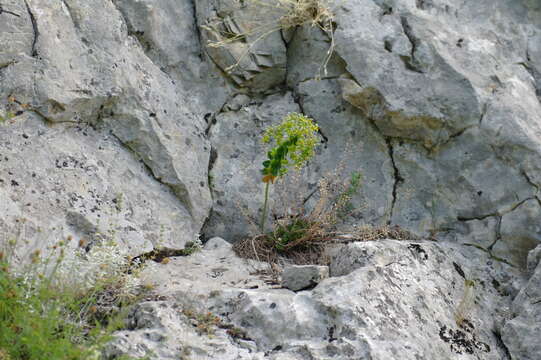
point(534, 257)
point(75, 182)
point(257, 61)
point(77, 66)
point(197, 276)
point(307, 52)
point(300, 277)
point(520, 232)
point(168, 34)
point(112, 108)
point(390, 55)
point(160, 330)
point(521, 333)
point(381, 292)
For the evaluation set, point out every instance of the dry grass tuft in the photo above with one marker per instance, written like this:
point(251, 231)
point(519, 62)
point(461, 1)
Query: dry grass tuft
point(310, 248)
point(315, 13)
point(372, 233)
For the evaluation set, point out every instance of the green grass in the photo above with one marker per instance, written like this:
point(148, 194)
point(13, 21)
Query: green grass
point(33, 321)
point(285, 234)
point(347, 207)
point(42, 319)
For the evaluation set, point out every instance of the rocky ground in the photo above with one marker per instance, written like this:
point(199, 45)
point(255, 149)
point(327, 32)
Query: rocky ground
point(387, 299)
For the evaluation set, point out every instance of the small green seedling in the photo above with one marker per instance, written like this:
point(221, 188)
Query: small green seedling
point(295, 140)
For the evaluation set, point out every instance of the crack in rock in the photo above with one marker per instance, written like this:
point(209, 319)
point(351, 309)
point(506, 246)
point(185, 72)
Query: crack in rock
point(4, 11)
point(496, 213)
point(396, 176)
point(34, 28)
point(410, 62)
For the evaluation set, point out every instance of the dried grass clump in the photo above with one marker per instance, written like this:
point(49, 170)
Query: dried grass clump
point(315, 13)
point(311, 247)
point(301, 237)
point(466, 303)
point(371, 233)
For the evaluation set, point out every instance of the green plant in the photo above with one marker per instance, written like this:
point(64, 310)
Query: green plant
point(345, 197)
point(48, 313)
point(289, 233)
point(4, 118)
point(192, 247)
point(295, 139)
point(33, 320)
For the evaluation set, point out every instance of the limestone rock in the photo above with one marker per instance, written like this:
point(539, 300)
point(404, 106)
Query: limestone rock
point(521, 333)
point(79, 67)
point(520, 232)
point(257, 60)
point(160, 330)
point(79, 183)
point(119, 121)
point(380, 293)
point(299, 277)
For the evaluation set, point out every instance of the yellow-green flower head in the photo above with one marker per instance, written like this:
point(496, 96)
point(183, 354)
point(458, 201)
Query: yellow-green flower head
point(294, 126)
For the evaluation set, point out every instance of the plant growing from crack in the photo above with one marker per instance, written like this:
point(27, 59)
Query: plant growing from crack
point(295, 139)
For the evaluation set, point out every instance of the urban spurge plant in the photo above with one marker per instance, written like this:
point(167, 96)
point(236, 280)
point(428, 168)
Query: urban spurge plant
point(295, 139)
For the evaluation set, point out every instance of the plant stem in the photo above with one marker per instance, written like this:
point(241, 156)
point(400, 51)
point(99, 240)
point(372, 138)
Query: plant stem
point(264, 215)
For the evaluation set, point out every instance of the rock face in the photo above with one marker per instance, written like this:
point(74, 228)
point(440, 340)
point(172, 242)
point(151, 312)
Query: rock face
point(258, 62)
point(81, 183)
point(121, 119)
point(80, 66)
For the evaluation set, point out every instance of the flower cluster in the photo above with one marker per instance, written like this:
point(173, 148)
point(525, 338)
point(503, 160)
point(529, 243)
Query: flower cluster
point(295, 137)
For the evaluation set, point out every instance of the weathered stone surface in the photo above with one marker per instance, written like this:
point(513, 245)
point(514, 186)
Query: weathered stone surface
point(534, 257)
point(160, 330)
point(520, 232)
point(16, 34)
point(300, 277)
point(258, 60)
point(75, 181)
point(521, 333)
point(306, 55)
point(168, 33)
point(78, 64)
point(203, 272)
point(476, 184)
point(389, 54)
point(381, 292)
point(115, 105)
point(447, 91)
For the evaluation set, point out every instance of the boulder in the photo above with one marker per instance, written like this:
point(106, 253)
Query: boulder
point(300, 277)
